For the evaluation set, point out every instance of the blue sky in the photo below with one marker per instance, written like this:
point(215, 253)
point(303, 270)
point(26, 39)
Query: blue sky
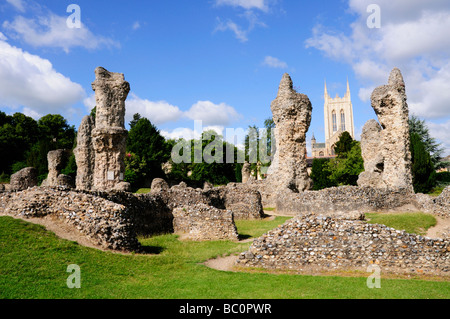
point(220, 61)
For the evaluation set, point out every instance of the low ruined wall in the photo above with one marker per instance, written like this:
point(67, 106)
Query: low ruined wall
point(243, 201)
point(105, 223)
point(342, 199)
point(315, 244)
point(150, 212)
point(202, 222)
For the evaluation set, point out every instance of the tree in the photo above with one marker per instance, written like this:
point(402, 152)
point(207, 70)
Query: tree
point(320, 174)
point(149, 150)
point(17, 135)
point(54, 133)
point(423, 171)
point(135, 120)
point(346, 167)
point(345, 170)
point(430, 144)
point(344, 145)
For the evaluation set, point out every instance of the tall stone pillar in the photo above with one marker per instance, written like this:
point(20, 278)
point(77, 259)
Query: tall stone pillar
point(109, 135)
point(292, 116)
point(84, 155)
point(393, 163)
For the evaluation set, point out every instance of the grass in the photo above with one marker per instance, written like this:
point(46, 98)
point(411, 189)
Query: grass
point(143, 190)
point(33, 264)
point(415, 223)
point(435, 192)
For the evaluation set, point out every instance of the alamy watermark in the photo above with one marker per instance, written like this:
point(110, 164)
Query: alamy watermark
point(261, 146)
point(74, 280)
point(374, 280)
point(74, 20)
point(374, 19)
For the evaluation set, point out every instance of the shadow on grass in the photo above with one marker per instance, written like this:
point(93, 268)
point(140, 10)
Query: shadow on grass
point(151, 250)
point(244, 236)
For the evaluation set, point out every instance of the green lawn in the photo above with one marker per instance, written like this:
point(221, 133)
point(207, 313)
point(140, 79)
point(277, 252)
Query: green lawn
point(414, 223)
point(143, 190)
point(33, 264)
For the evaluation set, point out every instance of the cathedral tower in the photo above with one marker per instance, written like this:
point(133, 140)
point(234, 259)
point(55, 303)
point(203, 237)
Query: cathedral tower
point(338, 116)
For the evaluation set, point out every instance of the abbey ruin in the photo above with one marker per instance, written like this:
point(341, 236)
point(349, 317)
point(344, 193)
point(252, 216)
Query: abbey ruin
point(328, 230)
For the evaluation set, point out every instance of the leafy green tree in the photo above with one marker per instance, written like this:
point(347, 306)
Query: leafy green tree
point(344, 145)
point(17, 135)
point(423, 171)
point(216, 170)
point(54, 133)
point(149, 147)
point(135, 120)
point(346, 167)
point(431, 146)
point(320, 174)
point(345, 171)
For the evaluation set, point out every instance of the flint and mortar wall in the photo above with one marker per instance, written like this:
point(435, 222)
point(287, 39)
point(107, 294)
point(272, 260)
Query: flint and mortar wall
point(316, 244)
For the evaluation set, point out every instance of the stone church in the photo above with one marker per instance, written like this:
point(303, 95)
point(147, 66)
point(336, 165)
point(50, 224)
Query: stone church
point(338, 114)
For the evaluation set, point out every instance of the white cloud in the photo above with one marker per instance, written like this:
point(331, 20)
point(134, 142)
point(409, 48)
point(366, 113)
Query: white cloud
point(189, 134)
point(246, 4)
point(274, 63)
point(442, 133)
point(159, 112)
point(136, 25)
point(412, 37)
point(240, 34)
point(18, 4)
point(89, 102)
point(30, 81)
point(52, 31)
point(212, 114)
point(248, 15)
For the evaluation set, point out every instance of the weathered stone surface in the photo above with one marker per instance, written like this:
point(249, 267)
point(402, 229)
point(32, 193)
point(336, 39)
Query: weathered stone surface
point(122, 187)
point(159, 185)
point(23, 179)
point(84, 155)
point(371, 150)
point(56, 161)
point(111, 91)
point(318, 244)
point(343, 200)
point(245, 172)
point(243, 201)
point(203, 222)
point(109, 135)
point(105, 223)
point(389, 103)
point(292, 116)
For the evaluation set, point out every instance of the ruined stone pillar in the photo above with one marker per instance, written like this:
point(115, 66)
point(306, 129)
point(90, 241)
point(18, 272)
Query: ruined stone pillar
point(292, 116)
point(389, 103)
point(109, 135)
point(84, 155)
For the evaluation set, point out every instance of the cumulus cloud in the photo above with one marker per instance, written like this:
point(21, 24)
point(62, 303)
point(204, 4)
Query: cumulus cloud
point(274, 63)
point(441, 131)
point(159, 112)
point(30, 81)
point(51, 30)
point(411, 39)
point(239, 33)
point(212, 114)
